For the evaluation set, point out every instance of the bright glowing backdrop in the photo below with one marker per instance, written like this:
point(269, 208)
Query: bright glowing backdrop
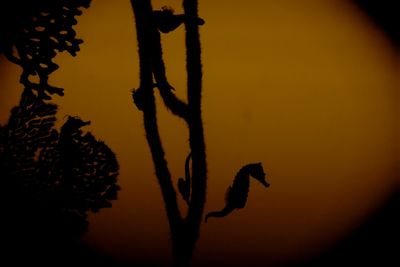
point(307, 88)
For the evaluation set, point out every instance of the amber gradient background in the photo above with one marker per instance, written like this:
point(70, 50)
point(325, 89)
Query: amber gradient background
point(308, 88)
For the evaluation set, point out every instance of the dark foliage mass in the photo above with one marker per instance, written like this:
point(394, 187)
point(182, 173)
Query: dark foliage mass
point(50, 180)
point(31, 34)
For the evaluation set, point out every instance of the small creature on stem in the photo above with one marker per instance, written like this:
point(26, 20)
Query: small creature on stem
point(184, 184)
point(167, 21)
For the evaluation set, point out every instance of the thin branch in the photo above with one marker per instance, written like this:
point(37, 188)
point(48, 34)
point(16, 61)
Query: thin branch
point(184, 233)
point(197, 144)
point(171, 101)
point(143, 12)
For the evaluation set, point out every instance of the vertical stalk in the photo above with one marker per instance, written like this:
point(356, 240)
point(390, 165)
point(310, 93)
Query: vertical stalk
point(143, 14)
point(184, 233)
point(197, 144)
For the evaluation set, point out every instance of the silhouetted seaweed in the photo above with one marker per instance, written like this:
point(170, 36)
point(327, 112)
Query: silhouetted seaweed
point(145, 101)
point(31, 34)
point(236, 195)
point(184, 231)
point(51, 180)
point(149, 23)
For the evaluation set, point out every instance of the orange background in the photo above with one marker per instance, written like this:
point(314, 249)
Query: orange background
point(309, 89)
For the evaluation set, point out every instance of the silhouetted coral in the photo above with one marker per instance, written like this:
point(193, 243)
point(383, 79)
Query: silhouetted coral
point(31, 34)
point(50, 180)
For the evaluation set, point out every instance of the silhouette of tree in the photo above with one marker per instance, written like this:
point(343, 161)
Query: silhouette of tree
point(149, 24)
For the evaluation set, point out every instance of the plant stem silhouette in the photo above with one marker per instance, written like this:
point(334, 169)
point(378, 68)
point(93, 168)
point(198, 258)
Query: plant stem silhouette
point(184, 231)
point(144, 99)
point(196, 135)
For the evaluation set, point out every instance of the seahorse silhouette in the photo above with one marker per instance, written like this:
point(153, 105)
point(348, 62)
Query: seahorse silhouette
point(69, 145)
point(236, 196)
point(184, 184)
